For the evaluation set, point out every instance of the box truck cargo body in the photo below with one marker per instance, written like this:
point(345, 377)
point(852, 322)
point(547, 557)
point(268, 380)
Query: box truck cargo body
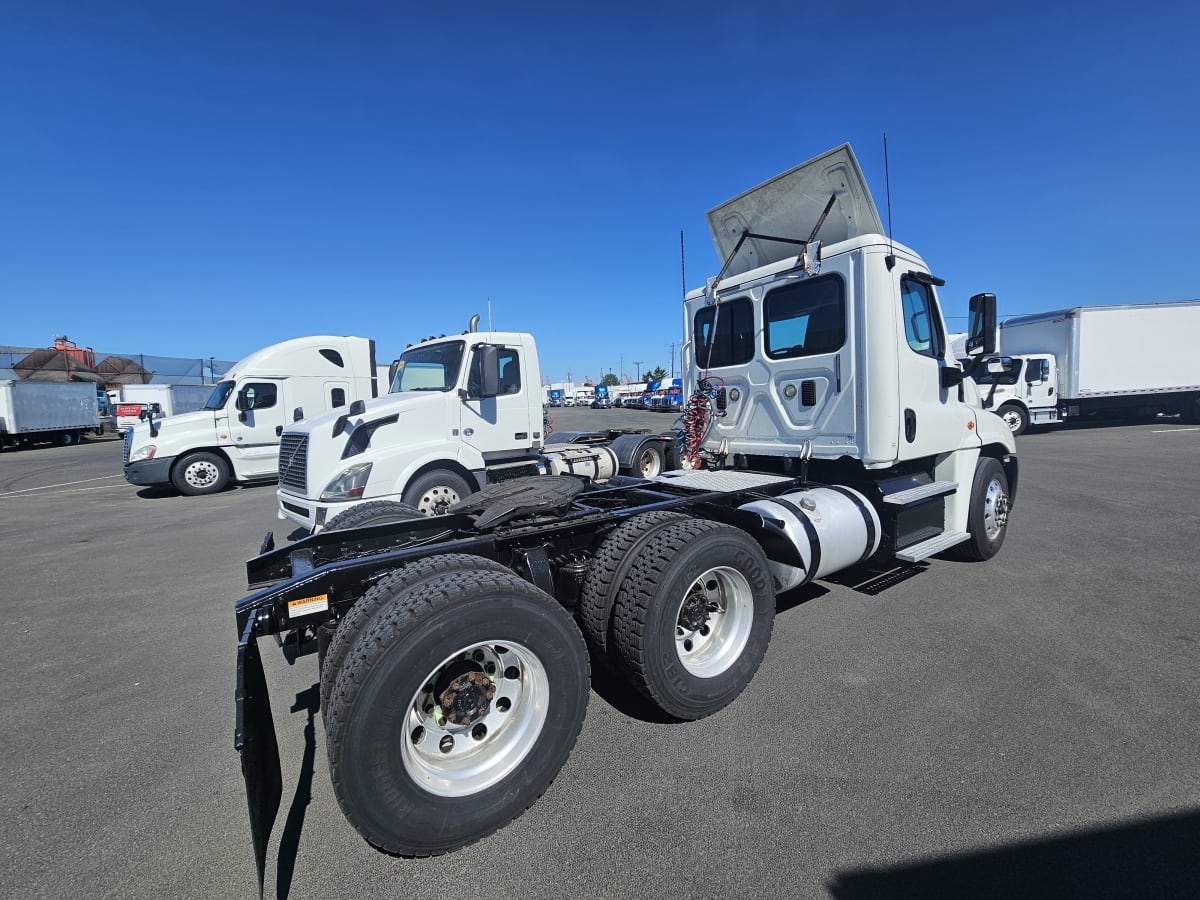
point(1098, 360)
point(46, 412)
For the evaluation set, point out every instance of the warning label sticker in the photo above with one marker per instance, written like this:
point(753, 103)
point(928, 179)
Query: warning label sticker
point(306, 606)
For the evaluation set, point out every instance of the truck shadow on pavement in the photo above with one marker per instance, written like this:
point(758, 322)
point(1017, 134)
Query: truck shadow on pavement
point(308, 702)
point(1150, 858)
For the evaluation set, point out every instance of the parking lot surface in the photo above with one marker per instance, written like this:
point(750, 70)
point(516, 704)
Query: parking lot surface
point(1023, 727)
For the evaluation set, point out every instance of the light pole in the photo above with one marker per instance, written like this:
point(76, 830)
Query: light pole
point(638, 363)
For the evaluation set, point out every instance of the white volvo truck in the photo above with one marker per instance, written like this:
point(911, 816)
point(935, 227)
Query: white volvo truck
point(437, 437)
point(1132, 359)
point(235, 437)
point(826, 424)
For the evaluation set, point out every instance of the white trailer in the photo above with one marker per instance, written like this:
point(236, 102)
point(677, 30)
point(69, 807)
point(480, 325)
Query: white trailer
point(1098, 360)
point(46, 412)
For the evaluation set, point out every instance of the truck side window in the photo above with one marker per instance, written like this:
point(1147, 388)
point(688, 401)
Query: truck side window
point(337, 397)
point(733, 341)
point(510, 373)
point(922, 327)
point(805, 318)
point(261, 396)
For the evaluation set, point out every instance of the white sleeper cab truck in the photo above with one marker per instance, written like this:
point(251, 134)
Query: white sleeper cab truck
point(826, 425)
point(1129, 360)
point(443, 431)
point(235, 437)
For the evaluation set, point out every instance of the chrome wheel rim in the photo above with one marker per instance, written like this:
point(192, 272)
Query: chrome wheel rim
point(201, 474)
point(995, 509)
point(437, 500)
point(498, 694)
point(713, 624)
point(1013, 420)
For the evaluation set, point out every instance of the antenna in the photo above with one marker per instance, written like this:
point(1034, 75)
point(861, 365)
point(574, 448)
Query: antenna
point(890, 259)
point(489, 302)
point(682, 265)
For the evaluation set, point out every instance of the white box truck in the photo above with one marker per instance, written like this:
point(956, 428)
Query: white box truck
point(1097, 361)
point(235, 436)
point(34, 412)
point(135, 401)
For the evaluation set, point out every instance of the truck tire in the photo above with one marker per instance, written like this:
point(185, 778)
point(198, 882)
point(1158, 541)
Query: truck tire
point(694, 616)
point(435, 492)
point(395, 582)
point(618, 552)
point(376, 512)
point(200, 473)
point(454, 711)
point(67, 438)
point(1015, 416)
point(1191, 411)
point(987, 518)
point(650, 461)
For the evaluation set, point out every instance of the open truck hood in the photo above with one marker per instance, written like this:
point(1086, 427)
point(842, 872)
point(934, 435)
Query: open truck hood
point(789, 205)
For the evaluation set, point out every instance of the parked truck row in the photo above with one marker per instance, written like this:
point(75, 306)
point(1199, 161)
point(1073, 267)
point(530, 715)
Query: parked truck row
point(828, 424)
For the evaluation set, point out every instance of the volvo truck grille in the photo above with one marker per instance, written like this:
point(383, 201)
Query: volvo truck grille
point(126, 445)
point(293, 462)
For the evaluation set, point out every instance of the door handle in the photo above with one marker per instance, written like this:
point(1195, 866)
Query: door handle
point(910, 425)
point(278, 431)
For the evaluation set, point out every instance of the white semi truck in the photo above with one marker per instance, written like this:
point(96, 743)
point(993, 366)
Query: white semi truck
point(33, 412)
point(1097, 361)
point(235, 437)
point(826, 424)
point(436, 438)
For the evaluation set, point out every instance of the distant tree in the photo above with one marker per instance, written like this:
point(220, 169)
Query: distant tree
point(610, 379)
point(657, 374)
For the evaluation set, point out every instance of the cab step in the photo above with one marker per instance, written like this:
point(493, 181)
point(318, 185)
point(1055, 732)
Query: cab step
point(931, 546)
point(921, 492)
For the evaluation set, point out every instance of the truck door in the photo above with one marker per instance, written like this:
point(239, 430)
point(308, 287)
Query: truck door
point(1039, 383)
point(254, 428)
point(497, 426)
point(932, 419)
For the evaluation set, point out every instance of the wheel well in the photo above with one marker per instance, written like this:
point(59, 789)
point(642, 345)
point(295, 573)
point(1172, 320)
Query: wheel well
point(1009, 464)
point(447, 465)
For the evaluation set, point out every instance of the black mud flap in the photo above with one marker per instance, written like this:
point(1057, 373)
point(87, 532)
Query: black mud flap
point(254, 739)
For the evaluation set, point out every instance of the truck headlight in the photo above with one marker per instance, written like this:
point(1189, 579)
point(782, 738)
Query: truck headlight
point(143, 453)
point(349, 484)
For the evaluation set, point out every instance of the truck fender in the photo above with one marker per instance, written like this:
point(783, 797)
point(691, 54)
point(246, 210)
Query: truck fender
point(629, 448)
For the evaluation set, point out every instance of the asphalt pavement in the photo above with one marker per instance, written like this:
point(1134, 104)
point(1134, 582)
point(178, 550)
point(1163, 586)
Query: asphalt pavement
point(1022, 727)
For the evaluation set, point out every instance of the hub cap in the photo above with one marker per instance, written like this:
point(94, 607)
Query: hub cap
point(714, 622)
point(474, 718)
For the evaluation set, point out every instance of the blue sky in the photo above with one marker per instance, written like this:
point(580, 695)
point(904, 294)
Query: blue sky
point(205, 178)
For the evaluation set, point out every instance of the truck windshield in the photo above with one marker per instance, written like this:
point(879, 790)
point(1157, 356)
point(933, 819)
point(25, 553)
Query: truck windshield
point(429, 368)
point(1010, 377)
point(216, 400)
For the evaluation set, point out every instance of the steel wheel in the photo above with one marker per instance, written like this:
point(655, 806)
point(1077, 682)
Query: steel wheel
point(995, 508)
point(475, 719)
point(201, 474)
point(714, 622)
point(650, 462)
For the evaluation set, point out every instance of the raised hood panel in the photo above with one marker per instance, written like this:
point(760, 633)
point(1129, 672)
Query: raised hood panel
point(789, 205)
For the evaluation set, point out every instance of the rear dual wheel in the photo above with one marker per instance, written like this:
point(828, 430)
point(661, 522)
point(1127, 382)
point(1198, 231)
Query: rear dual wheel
point(454, 710)
point(693, 617)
